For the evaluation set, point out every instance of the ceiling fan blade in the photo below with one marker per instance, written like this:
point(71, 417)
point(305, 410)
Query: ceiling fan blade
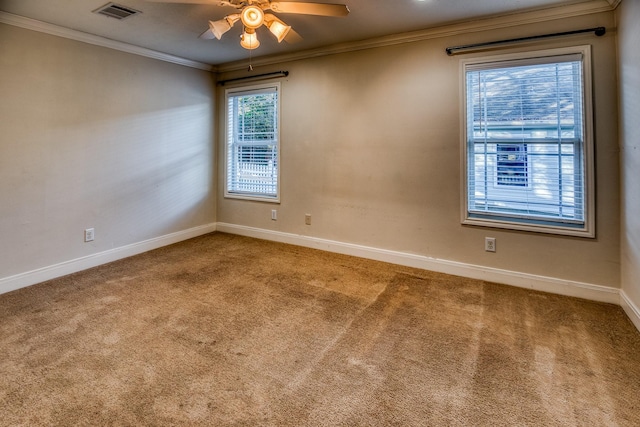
point(207, 35)
point(211, 2)
point(322, 9)
point(292, 37)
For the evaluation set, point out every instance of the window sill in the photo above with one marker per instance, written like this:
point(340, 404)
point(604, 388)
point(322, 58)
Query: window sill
point(252, 197)
point(585, 232)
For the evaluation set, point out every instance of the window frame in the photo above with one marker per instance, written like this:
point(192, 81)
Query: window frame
point(237, 91)
point(502, 221)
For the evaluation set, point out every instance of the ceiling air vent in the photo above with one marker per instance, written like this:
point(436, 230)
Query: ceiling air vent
point(117, 11)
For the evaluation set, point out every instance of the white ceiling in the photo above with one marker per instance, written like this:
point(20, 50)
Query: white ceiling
point(174, 28)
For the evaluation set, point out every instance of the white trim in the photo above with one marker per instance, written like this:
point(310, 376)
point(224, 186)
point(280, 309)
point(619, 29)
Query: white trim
point(55, 30)
point(522, 280)
point(11, 283)
point(614, 3)
point(630, 308)
point(478, 26)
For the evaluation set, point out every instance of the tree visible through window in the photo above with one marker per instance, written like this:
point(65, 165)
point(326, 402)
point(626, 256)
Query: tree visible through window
point(252, 143)
point(526, 143)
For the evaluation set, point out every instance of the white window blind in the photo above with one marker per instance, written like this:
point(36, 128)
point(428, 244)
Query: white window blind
point(525, 131)
point(252, 143)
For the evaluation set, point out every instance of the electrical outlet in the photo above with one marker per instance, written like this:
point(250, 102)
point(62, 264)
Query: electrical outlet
point(89, 235)
point(490, 244)
point(307, 219)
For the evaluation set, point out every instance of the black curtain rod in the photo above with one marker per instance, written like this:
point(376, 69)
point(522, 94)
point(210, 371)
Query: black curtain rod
point(599, 31)
point(256, 77)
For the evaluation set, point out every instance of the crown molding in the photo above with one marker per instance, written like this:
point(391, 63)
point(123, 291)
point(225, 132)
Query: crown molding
point(55, 30)
point(492, 23)
point(614, 3)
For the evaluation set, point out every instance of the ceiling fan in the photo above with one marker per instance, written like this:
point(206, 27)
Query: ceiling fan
point(252, 14)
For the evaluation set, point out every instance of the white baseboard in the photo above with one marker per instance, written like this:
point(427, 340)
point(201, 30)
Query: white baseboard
point(630, 308)
point(29, 278)
point(522, 280)
point(513, 278)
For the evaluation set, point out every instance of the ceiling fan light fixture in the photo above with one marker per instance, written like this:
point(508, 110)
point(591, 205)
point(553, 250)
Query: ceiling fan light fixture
point(278, 28)
point(218, 28)
point(252, 17)
point(232, 19)
point(249, 39)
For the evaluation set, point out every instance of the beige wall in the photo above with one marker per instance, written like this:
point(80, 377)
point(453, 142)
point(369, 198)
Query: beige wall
point(628, 15)
point(370, 146)
point(94, 137)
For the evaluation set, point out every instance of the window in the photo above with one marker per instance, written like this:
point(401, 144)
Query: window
point(253, 143)
point(527, 142)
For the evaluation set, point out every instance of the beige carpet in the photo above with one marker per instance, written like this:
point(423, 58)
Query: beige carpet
point(223, 330)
